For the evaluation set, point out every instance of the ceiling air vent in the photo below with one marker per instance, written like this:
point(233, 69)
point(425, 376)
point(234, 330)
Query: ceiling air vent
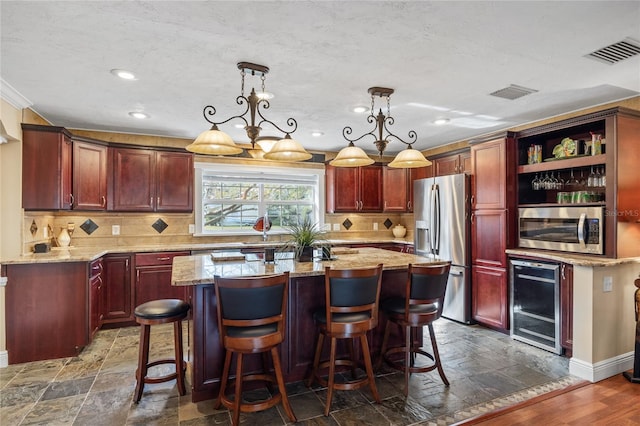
point(512, 92)
point(616, 52)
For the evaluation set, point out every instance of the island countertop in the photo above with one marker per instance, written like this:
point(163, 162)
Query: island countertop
point(201, 269)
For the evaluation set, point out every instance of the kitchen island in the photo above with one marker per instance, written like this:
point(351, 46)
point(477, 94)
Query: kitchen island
point(306, 295)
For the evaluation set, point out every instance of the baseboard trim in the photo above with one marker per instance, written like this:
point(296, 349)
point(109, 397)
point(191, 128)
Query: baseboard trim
point(602, 369)
point(4, 359)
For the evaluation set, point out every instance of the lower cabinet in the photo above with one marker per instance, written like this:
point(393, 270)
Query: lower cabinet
point(118, 293)
point(566, 308)
point(153, 277)
point(46, 310)
point(96, 312)
point(490, 298)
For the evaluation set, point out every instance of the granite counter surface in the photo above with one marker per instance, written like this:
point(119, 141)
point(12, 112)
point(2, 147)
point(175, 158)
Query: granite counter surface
point(572, 258)
point(87, 254)
point(201, 269)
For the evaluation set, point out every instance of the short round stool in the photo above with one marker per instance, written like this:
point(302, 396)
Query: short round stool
point(156, 312)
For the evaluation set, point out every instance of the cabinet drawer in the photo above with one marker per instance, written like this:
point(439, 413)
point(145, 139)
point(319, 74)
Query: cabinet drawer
point(159, 258)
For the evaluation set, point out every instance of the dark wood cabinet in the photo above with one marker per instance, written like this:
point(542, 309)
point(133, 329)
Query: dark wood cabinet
point(493, 227)
point(153, 277)
point(118, 293)
point(398, 187)
point(148, 180)
point(46, 310)
point(354, 189)
point(95, 296)
point(89, 176)
point(566, 308)
point(46, 168)
point(452, 164)
point(489, 297)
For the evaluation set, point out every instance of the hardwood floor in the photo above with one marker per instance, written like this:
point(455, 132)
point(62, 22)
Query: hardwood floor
point(614, 401)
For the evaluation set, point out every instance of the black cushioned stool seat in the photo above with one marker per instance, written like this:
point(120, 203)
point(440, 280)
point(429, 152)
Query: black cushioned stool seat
point(156, 312)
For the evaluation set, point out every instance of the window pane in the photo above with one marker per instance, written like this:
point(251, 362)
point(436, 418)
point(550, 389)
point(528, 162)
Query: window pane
point(228, 217)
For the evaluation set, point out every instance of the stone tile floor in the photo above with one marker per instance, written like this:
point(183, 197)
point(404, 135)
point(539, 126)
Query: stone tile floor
point(487, 370)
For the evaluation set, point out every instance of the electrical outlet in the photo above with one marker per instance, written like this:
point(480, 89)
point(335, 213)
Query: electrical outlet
point(192, 228)
point(336, 226)
point(115, 229)
point(375, 226)
point(326, 227)
point(45, 232)
point(607, 284)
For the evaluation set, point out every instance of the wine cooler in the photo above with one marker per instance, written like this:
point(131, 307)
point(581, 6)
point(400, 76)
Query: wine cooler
point(535, 304)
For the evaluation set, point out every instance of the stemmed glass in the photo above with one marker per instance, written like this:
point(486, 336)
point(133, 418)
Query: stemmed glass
point(572, 183)
point(591, 180)
point(535, 183)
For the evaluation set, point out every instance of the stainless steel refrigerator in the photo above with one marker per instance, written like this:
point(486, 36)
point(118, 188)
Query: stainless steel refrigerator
point(441, 212)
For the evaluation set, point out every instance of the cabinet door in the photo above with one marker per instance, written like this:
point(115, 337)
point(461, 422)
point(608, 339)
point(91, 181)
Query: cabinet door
point(117, 292)
point(446, 165)
point(489, 238)
point(464, 165)
point(89, 176)
point(153, 277)
point(133, 177)
point(566, 308)
point(489, 295)
point(46, 168)
point(489, 175)
point(395, 189)
point(415, 174)
point(345, 188)
point(371, 188)
point(174, 182)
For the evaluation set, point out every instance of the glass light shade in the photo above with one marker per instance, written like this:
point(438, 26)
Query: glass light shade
point(408, 159)
point(351, 156)
point(266, 143)
point(214, 142)
point(256, 153)
point(287, 149)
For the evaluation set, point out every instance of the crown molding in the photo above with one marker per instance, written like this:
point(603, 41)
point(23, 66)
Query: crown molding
point(12, 96)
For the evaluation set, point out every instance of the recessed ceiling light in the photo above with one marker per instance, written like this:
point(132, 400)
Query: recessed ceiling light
point(317, 134)
point(265, 95)
point(123, 74)
point(360, 109)
point(139, 115)
point(441, 121)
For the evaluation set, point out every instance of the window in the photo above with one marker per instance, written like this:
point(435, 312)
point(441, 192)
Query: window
point(230, 198)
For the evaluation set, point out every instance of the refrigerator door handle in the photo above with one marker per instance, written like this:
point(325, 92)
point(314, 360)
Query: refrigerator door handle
point(432, 220)
point(437, 218)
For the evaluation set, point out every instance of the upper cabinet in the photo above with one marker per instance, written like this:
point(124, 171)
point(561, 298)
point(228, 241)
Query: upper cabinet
point(398, 187)
point(354, 189)
point(149, 180)
point(607, 178)
point(452, 164)
point(89, 176)
point(46, 168)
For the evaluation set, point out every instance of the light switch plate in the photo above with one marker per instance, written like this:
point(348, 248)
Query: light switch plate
point(336, 226)
point(192, 228)
point(115, 229)
point(607, 284)
point(375, 226)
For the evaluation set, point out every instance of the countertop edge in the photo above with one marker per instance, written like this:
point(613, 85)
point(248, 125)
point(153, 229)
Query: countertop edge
point(573, 259)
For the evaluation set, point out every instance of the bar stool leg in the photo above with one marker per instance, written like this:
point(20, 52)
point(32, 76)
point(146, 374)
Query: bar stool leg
point(436, 355)
point(332, 374)
point(177, 334)
point(223, 381)
point(143, 360)
point(281, 386)
point(407, 358)
point(235, 418)
point(316, 360)
point(364, 342)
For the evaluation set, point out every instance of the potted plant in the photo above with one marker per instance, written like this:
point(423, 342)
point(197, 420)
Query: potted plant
point(303, 236)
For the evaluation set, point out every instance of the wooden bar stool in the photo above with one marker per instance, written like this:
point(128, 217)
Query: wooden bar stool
point(251, 319)
point(422, 305)
point(156, 312)
point(352, 297)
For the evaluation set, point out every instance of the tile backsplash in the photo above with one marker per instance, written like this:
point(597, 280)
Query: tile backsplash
point(97, 229)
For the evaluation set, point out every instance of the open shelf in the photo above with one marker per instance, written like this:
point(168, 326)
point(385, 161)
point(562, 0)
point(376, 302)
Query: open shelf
point(602, 203)
point(589, 160)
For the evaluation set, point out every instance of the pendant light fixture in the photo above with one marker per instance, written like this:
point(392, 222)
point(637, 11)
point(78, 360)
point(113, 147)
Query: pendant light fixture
point(352, 156)
point(216, 142)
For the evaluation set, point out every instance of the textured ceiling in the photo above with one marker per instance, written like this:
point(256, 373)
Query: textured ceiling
point(442, 58)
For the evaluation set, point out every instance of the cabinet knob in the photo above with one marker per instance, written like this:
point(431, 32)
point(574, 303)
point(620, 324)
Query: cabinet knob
point(73, 200)
point(104, 201)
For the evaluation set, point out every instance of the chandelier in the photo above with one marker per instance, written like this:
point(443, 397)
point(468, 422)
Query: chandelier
point(353, 156)
point(217, 142)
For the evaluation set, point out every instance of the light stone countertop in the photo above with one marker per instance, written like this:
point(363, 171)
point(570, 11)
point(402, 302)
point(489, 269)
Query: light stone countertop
point(88, 254)
point(201, 269)
point(572, 258)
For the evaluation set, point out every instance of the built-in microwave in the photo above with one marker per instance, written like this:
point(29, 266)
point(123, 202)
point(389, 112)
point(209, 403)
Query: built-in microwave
point(574, 229)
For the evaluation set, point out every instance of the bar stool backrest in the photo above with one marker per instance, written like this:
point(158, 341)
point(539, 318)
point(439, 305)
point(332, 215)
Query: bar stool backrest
point(426, 284)
point(252, 302)
point(355, 292)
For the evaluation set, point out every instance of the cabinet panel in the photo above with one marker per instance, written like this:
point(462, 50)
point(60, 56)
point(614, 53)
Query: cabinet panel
point(395, 189)
point(465, 163)
point(95, 296)
point(354, 189)
point(371, 188)
point(174, 190)
point(118, 293)
point(566, 308)
point(46, 168)
point(489, 161)
point(133, 180)
point(446, 165)
point(489, 295)
point(489, 238)
point(153, 277)
point(89, 176)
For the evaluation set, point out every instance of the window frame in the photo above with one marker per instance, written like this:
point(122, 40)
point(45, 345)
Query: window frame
point(312, 175)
